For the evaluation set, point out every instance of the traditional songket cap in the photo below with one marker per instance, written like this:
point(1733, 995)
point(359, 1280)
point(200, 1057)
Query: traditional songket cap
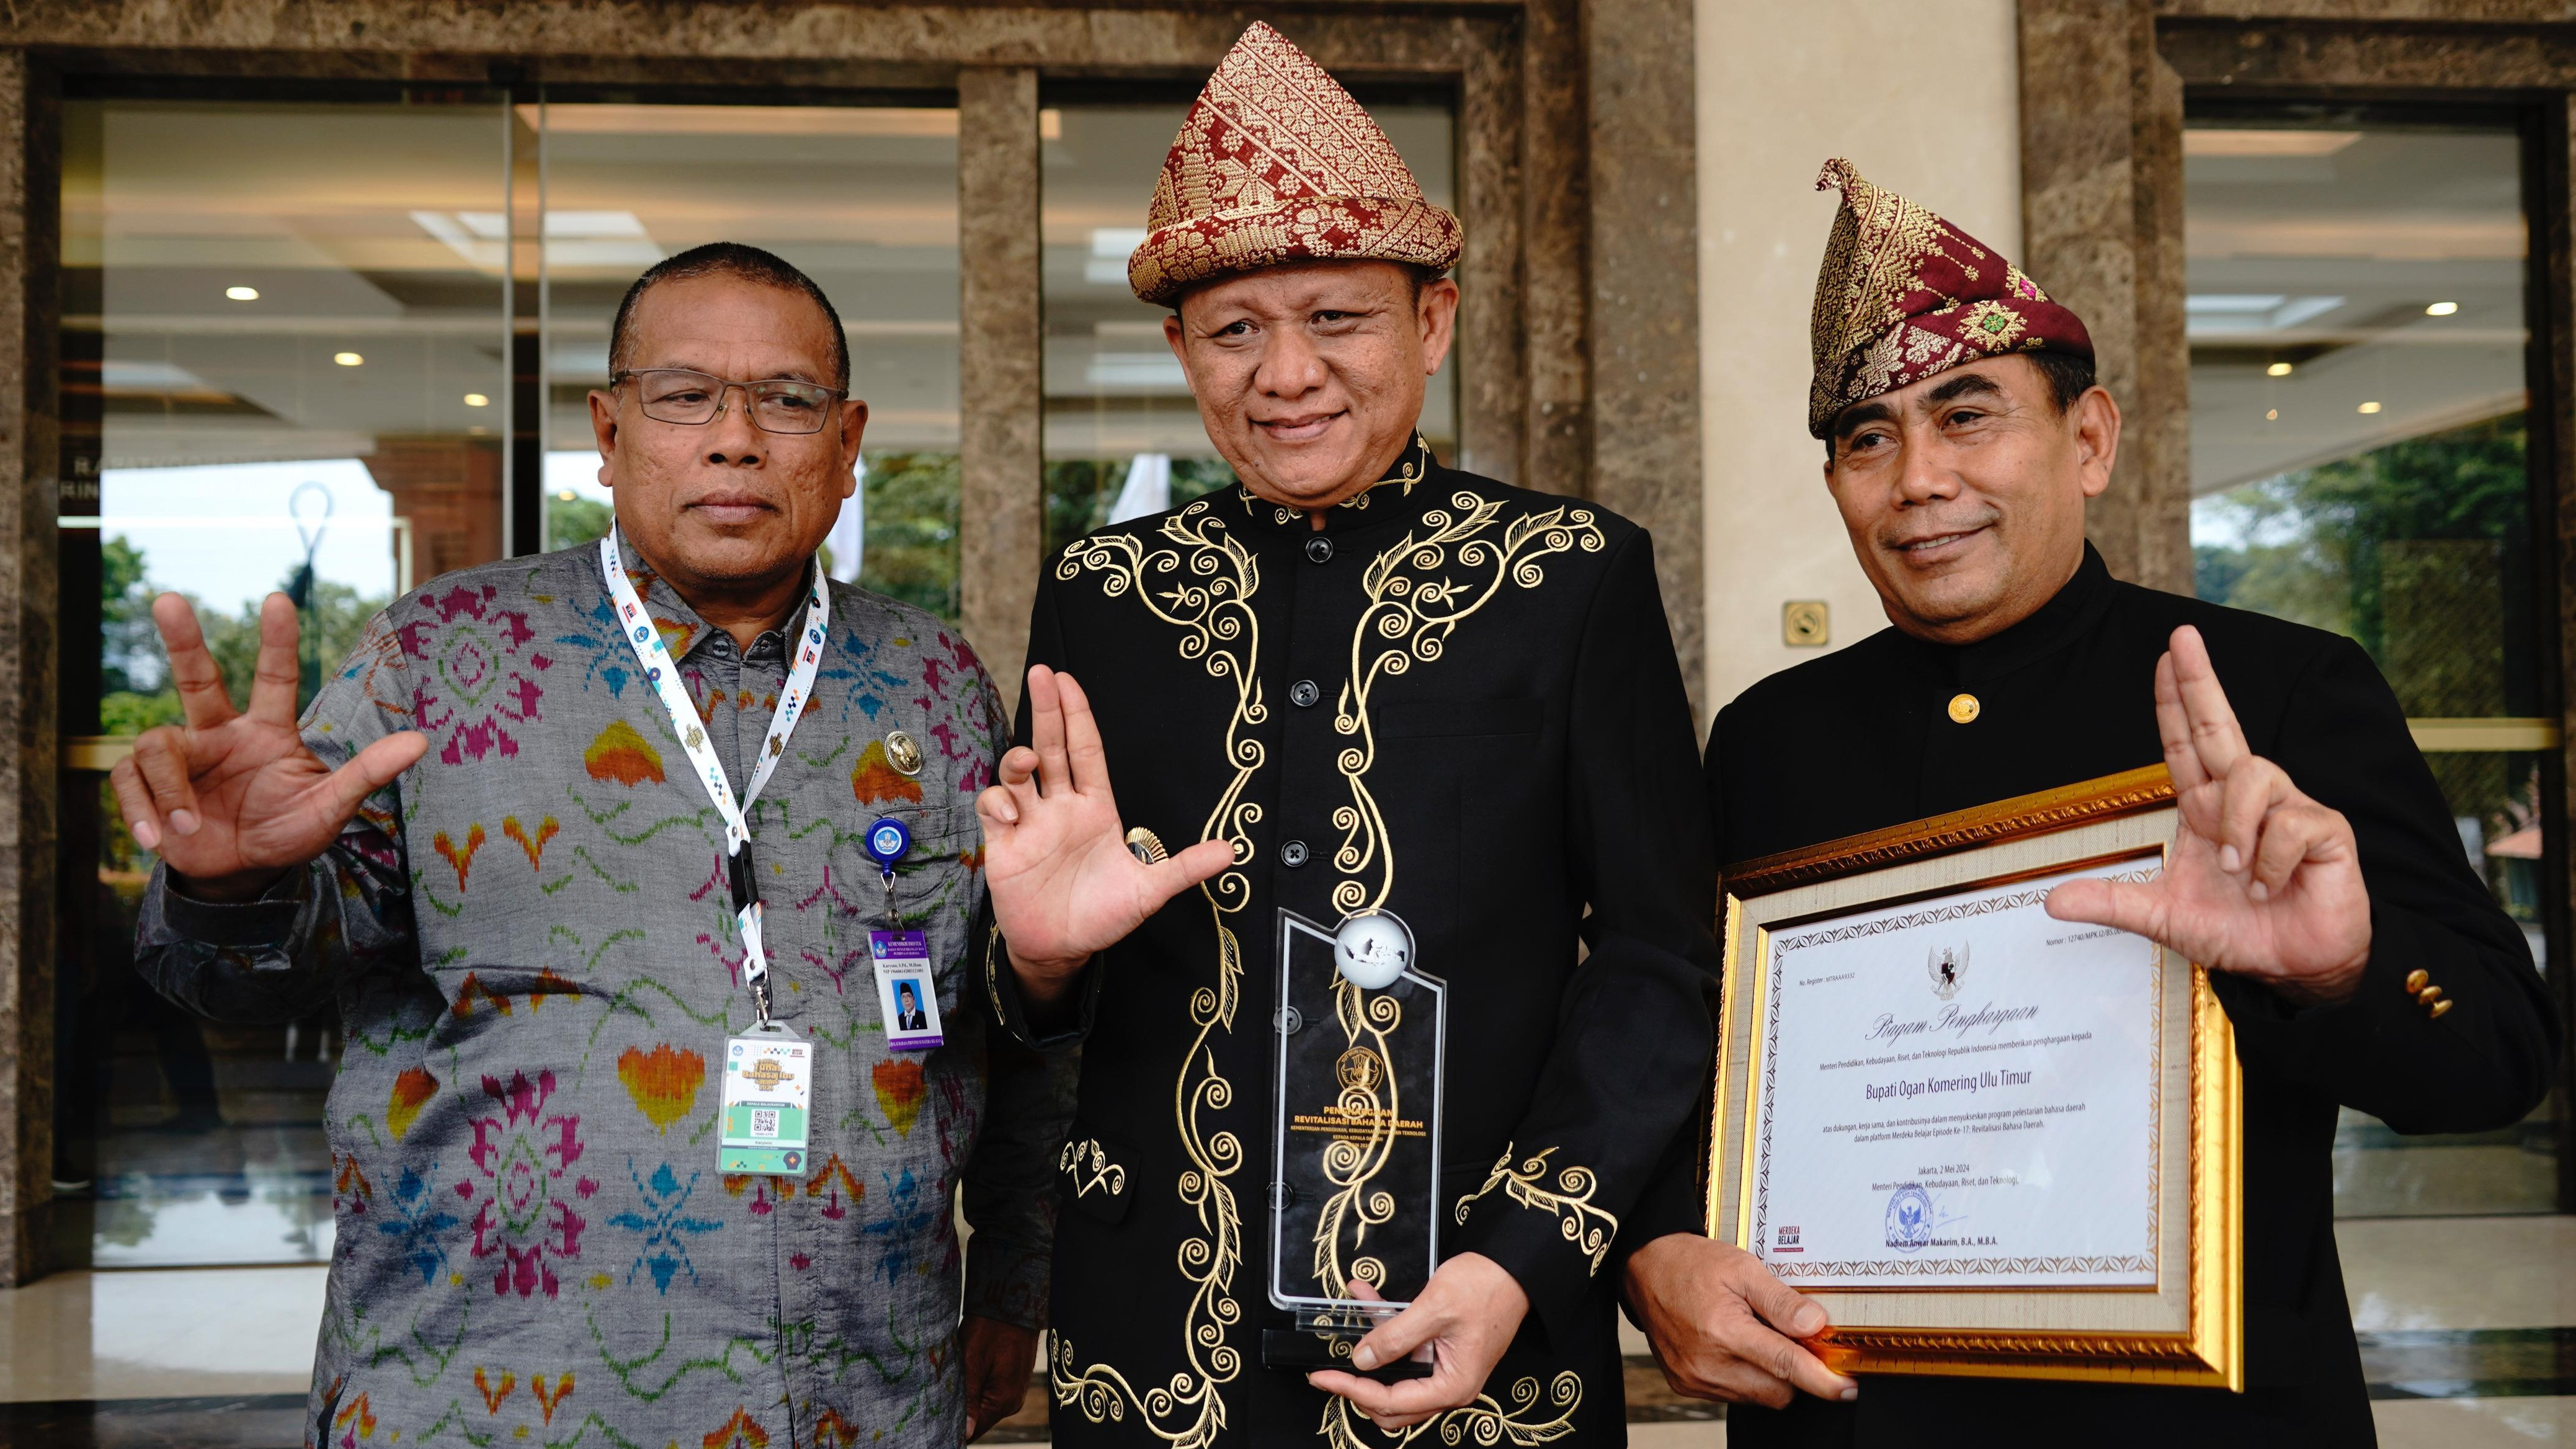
point(1276, 163)
point(1904, 295)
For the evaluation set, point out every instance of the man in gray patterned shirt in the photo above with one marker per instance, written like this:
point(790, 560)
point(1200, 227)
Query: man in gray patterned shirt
point(488, 846)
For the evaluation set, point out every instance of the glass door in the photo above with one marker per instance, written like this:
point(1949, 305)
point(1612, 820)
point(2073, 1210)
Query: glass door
point(2361, 462)
point(339, 348)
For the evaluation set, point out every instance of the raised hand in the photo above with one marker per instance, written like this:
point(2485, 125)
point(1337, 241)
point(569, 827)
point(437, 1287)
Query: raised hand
point(234, 801)
point(2263, 881)
point(1055, 857)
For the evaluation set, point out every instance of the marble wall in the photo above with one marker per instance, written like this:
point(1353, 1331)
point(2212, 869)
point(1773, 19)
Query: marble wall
point(1782, 88)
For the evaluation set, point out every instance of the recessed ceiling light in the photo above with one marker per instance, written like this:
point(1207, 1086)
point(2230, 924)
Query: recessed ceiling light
point(566, 495)
point(2278, 369)
point(2368, 407)
point(2271, 415)
point(477, 400)
point(347, 359)
point(242, 294)
point(2441, 309)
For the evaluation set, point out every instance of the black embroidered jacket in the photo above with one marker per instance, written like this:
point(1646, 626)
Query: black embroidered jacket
point(1865, 738)
point(1457, 702)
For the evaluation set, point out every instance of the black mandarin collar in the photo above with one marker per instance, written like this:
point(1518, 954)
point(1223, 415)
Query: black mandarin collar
point(2068, 616)
point(1408, 487)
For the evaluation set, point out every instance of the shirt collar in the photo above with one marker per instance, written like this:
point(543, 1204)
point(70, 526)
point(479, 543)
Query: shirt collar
point(1404, 489)
point(683, 630)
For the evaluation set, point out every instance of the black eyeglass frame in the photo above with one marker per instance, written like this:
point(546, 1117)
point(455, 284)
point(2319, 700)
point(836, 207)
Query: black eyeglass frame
point(750, 394)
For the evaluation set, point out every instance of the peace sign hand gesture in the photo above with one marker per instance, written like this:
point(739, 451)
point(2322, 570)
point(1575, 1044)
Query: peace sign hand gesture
point(2263, 881)
point(234, 801)
point(1055, 858)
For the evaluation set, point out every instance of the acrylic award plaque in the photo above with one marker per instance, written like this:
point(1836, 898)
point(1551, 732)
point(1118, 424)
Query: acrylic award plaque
point(1355, 1169)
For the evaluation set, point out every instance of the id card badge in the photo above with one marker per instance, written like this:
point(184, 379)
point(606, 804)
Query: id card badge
point(768, 1102)
point(906, 999)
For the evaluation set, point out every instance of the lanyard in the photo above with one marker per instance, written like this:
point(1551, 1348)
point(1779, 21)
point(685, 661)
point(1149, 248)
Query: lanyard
point(663, 672)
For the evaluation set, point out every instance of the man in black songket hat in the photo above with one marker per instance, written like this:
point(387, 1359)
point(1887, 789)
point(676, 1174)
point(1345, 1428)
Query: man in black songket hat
point(2317, 873)
point(1371, 688)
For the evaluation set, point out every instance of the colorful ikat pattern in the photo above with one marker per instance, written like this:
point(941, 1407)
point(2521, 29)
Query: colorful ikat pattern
point(530, 945)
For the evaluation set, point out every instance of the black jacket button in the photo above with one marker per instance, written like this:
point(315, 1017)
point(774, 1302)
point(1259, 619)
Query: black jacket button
point(1319, 549)
point(1303, 694)
point(1292, 853)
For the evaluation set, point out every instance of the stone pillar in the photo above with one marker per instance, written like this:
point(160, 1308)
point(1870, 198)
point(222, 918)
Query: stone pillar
point(1644, 320)
point(1001, 513)
point(2101, 146)
point(29, 237)
point(450, 490)
point(1556, 448)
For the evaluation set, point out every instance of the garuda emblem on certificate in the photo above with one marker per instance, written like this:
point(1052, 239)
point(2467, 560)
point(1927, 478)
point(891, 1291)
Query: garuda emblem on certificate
point(1947, 966)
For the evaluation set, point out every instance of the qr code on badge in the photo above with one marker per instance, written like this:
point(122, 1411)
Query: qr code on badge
point(764, 1121)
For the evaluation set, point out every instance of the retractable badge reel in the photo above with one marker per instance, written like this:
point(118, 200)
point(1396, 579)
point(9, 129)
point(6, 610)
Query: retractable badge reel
point(907, 998)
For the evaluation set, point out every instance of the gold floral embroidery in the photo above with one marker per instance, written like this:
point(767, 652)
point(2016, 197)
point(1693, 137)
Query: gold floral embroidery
point(1368, 1094)
point(1203, 584)
point(1089, 1165)
point(1483, 1423)
point(1587, 1227)
point(1414, 605)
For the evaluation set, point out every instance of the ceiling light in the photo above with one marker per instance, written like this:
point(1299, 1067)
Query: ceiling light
point(2368, 407)
point(2441, 309)
point(2278, 369)
point(347, 359)
point(242, 294)
point(477, 400)
point(2272, 415)
point(567, 495)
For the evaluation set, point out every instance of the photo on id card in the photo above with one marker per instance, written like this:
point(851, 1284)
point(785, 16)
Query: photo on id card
point(907, 996)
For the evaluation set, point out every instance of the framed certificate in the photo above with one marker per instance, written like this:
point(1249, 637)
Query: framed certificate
point(1994, 1143)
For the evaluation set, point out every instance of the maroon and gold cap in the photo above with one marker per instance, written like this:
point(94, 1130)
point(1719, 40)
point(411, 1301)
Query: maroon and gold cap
point(1276, 163)
point(1904, 294)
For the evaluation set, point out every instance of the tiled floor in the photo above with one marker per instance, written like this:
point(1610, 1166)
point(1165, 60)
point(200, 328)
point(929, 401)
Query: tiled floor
point(2469, 1334)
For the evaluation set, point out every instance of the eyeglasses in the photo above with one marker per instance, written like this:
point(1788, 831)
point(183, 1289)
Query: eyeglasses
point(692, 399)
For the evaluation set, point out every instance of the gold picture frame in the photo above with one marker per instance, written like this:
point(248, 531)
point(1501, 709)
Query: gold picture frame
point(2188, 1328)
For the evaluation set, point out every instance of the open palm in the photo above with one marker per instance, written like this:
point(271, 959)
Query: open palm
point(1063, 882)
point(2262, 880)
point(232, 801)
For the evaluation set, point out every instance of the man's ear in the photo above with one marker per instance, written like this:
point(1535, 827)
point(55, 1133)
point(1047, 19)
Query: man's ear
point(854, 428)
point(603, 429)
point(2095, 417)
point(1437, 315)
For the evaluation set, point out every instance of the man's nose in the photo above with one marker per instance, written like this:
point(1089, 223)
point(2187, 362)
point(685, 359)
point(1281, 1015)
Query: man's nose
point(1926, 476)
point(1290, 365)
point(732, 438)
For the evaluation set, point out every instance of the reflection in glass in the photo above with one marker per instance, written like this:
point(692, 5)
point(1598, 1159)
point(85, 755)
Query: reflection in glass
point(862, 199)
point(1123, 436)
point(275, 376)
point(2360, 464)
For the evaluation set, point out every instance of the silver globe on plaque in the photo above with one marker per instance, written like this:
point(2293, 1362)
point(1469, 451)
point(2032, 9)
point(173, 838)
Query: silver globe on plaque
point(1372, 950)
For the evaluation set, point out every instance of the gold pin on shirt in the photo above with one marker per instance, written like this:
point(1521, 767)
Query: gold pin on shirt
point(1964, 708)
point(902, 753)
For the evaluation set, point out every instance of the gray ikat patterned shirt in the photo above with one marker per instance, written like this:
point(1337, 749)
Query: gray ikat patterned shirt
point(530, 945)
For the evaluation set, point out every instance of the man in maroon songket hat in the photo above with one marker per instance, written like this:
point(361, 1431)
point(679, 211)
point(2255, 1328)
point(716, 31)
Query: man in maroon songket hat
point(2317, 872)
point(1430, 714)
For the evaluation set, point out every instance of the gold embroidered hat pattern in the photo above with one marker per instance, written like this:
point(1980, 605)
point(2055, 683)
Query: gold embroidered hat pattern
point(1276, 163)
point(1903, 295)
